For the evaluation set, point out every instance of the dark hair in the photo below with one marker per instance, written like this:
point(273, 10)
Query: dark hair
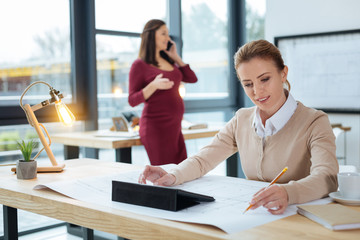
point(260, 49)
point(147, 46)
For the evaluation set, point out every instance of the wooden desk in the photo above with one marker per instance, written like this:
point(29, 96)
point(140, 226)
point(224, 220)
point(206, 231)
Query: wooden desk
point(122, 146)
point(19, 194)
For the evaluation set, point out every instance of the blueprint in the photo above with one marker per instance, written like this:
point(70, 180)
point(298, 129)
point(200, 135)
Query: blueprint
point(232, 196)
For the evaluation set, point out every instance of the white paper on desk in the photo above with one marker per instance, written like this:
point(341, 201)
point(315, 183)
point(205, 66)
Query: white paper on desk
point(232, 196)
point(117, 134)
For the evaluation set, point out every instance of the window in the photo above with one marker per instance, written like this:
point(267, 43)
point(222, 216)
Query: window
point(255, 19)
point(205, 47)
point(115, 55)
point(37, 48)
point(129, 16)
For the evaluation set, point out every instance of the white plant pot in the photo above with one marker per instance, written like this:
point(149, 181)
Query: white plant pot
point(26, 170)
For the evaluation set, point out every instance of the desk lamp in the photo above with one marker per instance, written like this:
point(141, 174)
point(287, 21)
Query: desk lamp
point(65, 116)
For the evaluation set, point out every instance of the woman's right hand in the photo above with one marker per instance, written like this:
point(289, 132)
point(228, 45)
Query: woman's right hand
point(158, 83)
point(162, 83)
point(157, 176)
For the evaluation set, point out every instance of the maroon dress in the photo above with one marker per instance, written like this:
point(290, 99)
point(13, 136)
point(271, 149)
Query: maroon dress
point(160, 122)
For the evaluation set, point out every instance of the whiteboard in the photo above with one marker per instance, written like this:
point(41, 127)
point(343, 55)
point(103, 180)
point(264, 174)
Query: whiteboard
point(324, 69)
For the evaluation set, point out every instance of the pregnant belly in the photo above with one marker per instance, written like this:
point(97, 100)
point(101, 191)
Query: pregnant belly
point(165, 107)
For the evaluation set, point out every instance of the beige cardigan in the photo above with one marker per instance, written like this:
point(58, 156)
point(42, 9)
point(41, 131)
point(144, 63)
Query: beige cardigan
point(306, 145)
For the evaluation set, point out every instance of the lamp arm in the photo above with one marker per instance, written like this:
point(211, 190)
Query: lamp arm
point(23, 94)
point(47, 134)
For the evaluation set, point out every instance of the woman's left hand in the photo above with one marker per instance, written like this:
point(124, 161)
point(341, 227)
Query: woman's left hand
point(274, 198)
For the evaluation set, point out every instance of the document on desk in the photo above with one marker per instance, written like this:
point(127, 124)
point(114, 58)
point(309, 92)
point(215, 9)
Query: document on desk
point(117, 134)
point(232, 196)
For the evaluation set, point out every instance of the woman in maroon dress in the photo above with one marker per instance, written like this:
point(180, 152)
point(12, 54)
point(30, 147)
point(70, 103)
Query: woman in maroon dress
point(154, 80)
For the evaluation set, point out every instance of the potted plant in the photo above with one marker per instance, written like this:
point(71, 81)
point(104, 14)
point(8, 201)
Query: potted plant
point(26, 168)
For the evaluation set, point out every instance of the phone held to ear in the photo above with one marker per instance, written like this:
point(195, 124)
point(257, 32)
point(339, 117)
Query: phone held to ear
point(169, 46)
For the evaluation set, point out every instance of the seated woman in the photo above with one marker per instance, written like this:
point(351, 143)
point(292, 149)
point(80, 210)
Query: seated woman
point(276, 133)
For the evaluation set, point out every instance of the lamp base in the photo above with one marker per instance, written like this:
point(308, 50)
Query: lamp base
point(56, 168)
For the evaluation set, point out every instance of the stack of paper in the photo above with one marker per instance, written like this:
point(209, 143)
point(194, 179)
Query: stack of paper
point(189, 125)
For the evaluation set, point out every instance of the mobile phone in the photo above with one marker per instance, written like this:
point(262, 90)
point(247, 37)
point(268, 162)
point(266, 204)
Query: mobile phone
point(169, 44)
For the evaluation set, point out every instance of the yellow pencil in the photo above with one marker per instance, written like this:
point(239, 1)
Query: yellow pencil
point(272, 182)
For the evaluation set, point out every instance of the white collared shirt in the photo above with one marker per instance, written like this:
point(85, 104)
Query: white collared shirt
point(276, 122)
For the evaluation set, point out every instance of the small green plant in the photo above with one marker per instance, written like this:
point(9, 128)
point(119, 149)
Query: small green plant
point(26, 148)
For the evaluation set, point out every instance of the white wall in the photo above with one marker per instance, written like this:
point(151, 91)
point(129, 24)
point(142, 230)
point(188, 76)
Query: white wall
point(293, 17)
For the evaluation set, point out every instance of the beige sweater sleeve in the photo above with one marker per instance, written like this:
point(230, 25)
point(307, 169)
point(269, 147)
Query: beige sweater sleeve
point(222, 146)
point(324, 166)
